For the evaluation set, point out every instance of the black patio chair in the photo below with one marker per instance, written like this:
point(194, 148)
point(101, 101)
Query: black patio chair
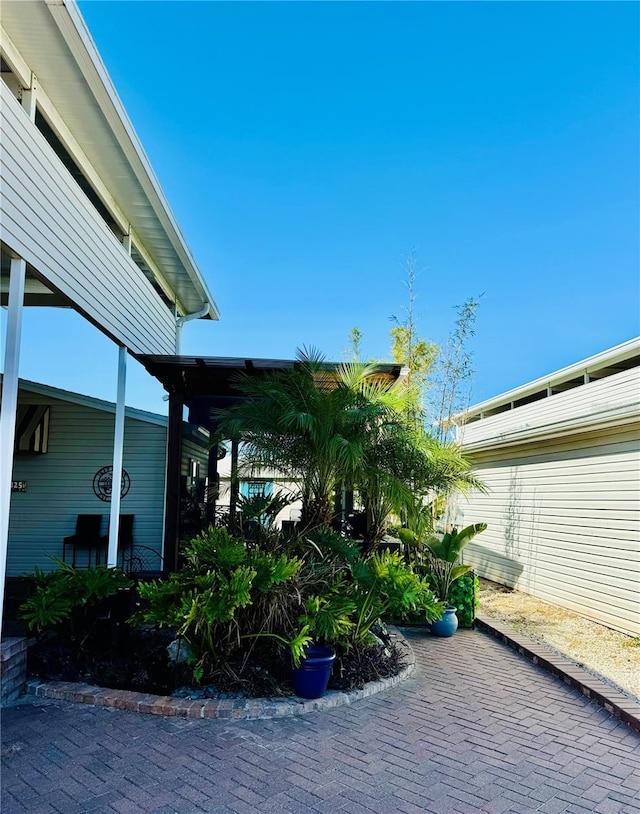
point(86, 539)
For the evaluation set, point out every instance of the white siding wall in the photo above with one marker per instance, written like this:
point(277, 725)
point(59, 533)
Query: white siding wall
point(60, 482)
point(609, 399)
point(48, 220)
point(281, 483)
point(564, 522)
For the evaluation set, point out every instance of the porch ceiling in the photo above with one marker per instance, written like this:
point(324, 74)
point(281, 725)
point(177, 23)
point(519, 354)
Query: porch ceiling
point(36, 291)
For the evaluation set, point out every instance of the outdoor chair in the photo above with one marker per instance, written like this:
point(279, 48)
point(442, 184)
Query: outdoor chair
point(86, 539)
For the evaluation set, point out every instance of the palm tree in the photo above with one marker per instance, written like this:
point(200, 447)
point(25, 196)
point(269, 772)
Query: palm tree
point(326, 426)
point(402, 468)
point(298, 421)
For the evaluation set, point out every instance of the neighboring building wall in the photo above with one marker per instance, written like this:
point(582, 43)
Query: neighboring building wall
point(563, 512)
point(281, 485)
point(60, 482)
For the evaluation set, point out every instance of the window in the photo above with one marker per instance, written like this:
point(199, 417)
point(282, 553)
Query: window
point(256, 488)
point(32, 429)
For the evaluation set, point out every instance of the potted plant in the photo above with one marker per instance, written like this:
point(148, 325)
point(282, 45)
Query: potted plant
point(444, 553)
point(311, 675)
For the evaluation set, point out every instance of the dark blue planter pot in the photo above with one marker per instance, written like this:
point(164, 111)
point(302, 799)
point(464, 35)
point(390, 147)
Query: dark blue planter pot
point(446, 626)
point(310, 679)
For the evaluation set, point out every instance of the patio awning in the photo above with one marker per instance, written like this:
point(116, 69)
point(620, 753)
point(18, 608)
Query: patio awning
point(206, 383)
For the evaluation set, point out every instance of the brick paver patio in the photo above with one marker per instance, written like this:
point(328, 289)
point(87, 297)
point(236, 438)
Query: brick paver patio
point(477, 728)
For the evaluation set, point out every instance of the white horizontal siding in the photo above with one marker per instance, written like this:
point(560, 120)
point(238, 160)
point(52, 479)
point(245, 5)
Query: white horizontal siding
point(48, 220)
point(60, 482)
point(599, 400)
point(564, 523)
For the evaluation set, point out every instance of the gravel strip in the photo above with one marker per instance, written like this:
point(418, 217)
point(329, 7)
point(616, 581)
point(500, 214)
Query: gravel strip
point(605, 653)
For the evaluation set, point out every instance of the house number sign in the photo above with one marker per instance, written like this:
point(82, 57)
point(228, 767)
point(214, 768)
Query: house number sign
point(102, 482)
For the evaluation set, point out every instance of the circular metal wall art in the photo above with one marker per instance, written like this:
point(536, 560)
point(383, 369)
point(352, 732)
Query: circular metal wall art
point(102, 483)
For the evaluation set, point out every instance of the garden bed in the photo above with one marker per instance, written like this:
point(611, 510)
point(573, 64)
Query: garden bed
point(232, 708)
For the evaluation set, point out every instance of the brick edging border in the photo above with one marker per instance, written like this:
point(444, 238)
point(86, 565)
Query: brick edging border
point(614, 701)
point(234, 708)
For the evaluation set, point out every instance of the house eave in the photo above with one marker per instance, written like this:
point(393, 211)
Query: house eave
point(591, 365)
point(53, 40)
point(626, 417)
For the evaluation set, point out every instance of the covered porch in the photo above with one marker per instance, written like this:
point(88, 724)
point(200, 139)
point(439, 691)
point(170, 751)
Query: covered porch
point(198, 388)
point(85, 224)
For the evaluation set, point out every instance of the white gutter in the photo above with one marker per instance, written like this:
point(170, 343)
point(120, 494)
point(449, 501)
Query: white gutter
point(180, 321)
point(68, 18)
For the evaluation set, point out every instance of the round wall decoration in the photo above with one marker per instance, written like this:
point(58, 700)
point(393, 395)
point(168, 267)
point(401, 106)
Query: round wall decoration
point(102, 483)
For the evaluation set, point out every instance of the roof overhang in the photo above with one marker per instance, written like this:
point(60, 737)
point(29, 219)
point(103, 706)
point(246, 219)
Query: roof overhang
point(207, 384)
point(602, 364)
point(51, 39)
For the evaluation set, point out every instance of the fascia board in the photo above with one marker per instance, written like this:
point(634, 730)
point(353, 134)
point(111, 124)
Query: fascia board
point(76, 34)
point(14, 59)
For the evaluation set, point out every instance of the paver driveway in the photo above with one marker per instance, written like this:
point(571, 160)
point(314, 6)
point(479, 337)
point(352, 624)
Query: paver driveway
point(477, 728)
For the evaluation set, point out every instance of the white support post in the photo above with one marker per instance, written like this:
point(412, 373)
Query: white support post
point(29, 98)
point(118, 445)
point(9, 407)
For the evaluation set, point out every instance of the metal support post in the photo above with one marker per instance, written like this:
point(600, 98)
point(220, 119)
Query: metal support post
point(118, 447)
point(9, 406)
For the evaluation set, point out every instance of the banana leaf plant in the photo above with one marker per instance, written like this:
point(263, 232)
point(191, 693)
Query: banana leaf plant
point(444, 553)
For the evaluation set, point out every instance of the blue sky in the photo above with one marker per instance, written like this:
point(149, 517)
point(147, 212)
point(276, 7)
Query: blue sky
point(306, 148)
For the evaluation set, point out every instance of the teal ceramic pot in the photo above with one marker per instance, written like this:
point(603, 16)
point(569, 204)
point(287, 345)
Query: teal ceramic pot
point(446, 626)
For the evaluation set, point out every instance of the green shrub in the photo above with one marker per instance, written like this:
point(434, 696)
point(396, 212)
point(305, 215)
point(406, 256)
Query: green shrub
point(463, 595)
point(225, 602)
point(365, 591)
point(67, 600)
point(444, 553)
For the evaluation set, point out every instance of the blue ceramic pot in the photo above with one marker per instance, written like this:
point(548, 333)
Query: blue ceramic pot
point(446, 626)
point(310, 679)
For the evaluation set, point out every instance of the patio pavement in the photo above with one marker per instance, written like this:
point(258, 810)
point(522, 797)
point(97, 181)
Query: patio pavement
point(476, 728)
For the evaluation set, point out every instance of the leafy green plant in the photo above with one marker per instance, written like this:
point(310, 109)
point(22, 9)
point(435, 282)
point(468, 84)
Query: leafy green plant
point(64, 600)
point(463, 595)
point(445, 551)
point(257, 516)
point(228, 598)
point(387, 587)
point(330, 617)
point(363, 592)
